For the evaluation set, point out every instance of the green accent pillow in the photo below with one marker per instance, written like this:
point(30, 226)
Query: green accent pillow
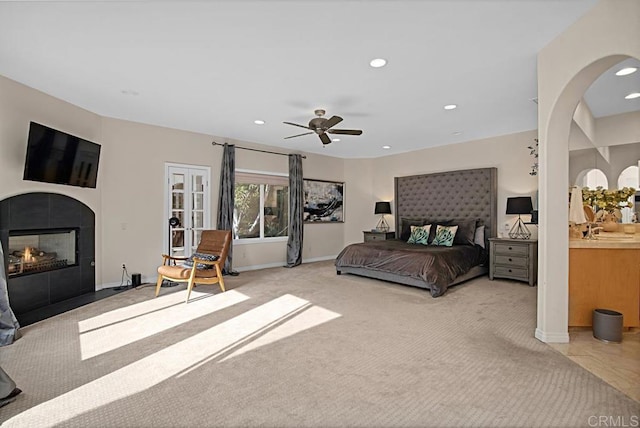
point(419, 234)
point(445, 235)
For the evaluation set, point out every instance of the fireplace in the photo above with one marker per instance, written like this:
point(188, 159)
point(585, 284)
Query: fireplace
point(35, 251)
point(48, 242)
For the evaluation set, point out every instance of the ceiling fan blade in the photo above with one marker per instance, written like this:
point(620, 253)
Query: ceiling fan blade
point(299, 135)
point(332, 121)
point(325, 138)
point(345, 131)
point(295, 124)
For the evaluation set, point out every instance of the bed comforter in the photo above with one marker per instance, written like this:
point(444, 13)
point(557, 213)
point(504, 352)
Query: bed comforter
point(437, 266)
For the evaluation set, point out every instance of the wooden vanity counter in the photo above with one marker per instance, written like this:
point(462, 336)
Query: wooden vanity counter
point(604, 274)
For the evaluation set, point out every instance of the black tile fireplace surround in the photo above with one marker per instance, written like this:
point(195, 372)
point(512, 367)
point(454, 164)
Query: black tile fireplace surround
point(47, 211)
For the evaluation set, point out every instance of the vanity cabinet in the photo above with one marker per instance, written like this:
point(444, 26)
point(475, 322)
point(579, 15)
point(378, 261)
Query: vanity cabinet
point(604, 278)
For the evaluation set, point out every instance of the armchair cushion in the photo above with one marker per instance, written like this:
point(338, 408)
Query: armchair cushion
point(202, 256)
point(183, 273)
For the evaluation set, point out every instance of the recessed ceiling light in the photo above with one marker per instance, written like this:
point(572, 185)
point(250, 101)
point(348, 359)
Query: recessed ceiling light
point(378, 62)
point(129, 92)
point(450, 107)
point(335, 139)
point(259, 122)
point(632, 96)
point(626, 71)
point(386, 147)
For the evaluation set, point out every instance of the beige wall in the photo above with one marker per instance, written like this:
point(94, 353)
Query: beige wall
point(508, 153)
point(18, 106)
point(129, 198)
point(132, 165)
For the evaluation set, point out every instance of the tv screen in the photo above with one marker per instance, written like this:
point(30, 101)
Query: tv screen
point(57, 157)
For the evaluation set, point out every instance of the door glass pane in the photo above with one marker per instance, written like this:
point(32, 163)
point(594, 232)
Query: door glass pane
point(198, 219)
point(177, 181)
point(198, 201)
point(198, 183)
point(196, 235)
point(180, 216)
point(276, 210)
point(177, 200)
point(246, 211)
point(177, 239)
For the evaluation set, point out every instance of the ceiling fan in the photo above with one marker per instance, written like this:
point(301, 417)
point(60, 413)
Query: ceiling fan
point(321, 126)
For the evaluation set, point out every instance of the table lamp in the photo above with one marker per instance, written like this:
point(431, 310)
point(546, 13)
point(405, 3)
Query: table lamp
point(382, 208)
point(519, 205)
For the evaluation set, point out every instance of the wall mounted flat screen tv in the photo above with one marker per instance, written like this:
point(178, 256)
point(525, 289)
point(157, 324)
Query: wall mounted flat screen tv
point(56, 157)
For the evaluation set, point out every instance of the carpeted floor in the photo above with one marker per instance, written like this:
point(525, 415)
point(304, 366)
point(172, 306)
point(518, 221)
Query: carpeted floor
point(303, 347)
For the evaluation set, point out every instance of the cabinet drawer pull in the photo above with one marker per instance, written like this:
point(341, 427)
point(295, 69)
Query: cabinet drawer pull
point(510, 259)
point(510, 248)
point(510, 270)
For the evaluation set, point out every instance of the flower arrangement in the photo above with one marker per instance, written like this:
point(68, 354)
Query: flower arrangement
point(534, 153)
point(608, 202)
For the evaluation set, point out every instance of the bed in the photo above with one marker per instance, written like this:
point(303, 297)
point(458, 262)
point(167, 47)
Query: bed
point(466, 198)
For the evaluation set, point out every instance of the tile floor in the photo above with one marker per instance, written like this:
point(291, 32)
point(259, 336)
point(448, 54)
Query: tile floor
point(618, 364)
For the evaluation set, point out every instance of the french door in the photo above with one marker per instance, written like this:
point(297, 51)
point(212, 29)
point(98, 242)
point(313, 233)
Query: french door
point(188, 207)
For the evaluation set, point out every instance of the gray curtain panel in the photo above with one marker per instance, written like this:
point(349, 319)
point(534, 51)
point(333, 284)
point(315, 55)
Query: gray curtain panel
point(225, 203)
point(296, 206)
point(8, 323)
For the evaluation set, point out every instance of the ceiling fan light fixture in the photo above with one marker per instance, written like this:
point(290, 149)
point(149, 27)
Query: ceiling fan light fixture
point(451, 106)
point(258, 122)
point(378, 62)
point(626, 71)
point(632, 96)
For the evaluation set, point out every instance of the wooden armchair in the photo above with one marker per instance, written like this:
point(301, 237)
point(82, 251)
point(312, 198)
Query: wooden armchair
point(214, 242)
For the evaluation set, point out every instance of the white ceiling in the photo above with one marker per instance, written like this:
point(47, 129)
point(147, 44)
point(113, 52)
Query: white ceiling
point(216, 66)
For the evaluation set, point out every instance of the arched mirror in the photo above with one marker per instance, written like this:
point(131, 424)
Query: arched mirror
point(604, 147)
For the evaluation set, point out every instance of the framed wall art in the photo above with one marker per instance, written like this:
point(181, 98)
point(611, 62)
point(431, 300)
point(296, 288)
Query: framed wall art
point(323, 201)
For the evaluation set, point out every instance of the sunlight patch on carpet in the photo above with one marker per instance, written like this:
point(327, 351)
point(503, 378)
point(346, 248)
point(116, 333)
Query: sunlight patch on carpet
point(152, 370)
point(307, 319)
point(122, 327)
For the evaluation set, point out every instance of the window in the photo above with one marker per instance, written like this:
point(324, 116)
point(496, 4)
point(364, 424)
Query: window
point(595, 178)
point(630, 177)
point(261, 206)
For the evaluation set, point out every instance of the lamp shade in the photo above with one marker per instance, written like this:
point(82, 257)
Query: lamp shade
point(383, 208)
point(519, 205)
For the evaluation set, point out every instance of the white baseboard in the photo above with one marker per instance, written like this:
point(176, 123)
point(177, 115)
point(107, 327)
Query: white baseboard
point(282, 264)
point(319, 259)
point(552, 337)
point(153, 279)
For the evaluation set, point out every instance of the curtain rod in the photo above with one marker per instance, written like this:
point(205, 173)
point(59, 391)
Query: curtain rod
point(256, 150)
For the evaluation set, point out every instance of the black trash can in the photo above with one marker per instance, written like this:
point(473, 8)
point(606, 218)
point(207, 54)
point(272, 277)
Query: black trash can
point(607, 325)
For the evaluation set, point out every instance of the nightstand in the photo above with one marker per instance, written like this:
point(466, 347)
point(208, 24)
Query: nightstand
point(371, 235)
point(514, 259)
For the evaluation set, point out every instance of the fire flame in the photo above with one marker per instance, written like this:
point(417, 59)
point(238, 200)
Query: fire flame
point(27, 255)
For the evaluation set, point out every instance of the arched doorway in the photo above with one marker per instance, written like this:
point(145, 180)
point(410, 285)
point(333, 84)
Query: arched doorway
point(606, 35)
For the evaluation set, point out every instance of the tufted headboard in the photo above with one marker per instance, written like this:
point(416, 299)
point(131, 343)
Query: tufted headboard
point(465, 194)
